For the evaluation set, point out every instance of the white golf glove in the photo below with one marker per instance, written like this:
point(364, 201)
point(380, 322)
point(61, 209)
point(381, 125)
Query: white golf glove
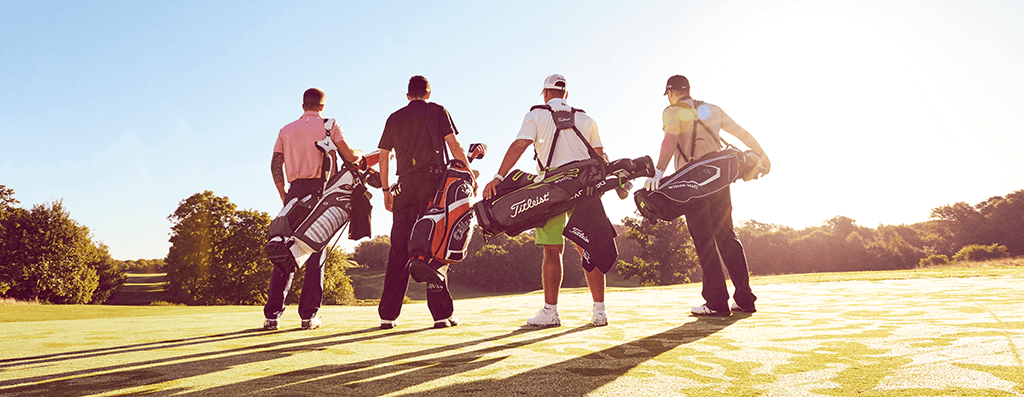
point(652, 182)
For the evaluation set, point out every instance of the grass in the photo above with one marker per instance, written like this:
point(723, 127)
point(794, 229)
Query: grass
point(894, 333)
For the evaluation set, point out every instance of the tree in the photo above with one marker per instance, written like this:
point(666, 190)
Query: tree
point(200, 225)
point(373, 253)
point(500, 264)
point(44, 255)
point(240, 271)
point(666, 254)
point(111, 273)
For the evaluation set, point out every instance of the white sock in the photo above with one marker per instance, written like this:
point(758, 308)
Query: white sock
point(599, 306)
point(550, 307)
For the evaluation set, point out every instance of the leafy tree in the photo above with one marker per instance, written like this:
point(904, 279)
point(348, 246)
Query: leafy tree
point(666, 253)
point(240, 269)
point(500, 264)
point(111, 273)
point(373, 253)
point(44, 255)
point(200, 225)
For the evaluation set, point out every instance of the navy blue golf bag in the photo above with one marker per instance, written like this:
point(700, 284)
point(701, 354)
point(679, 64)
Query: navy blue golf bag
point(699, 178)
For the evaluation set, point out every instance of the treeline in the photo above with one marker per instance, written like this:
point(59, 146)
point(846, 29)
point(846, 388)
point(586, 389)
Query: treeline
point(45, 256)
point(216, 255)
point(990, 229)
point(143, 265)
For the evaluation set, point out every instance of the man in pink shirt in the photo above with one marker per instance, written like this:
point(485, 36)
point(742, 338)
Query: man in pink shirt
point(295, 152)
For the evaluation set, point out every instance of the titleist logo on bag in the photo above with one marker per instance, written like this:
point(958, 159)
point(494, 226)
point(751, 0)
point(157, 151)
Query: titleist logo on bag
point(527, 203)
point(579, 233)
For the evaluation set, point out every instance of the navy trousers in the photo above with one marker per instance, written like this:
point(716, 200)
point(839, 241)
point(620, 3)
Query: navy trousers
point(710, 225)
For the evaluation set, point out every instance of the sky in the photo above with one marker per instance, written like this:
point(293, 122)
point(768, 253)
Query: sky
point(874, 110)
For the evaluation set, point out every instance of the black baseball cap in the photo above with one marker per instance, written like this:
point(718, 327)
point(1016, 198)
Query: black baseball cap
point(677, 82)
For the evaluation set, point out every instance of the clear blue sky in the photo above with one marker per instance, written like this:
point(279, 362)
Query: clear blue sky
point(874, 110)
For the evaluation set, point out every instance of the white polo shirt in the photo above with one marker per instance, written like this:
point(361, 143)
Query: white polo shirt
point(539, 127)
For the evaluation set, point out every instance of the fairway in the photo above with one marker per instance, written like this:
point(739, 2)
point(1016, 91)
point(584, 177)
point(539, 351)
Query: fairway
point(869, 337)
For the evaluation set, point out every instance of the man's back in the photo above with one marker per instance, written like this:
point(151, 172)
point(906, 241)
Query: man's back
point(539, 127)
point(407, 133)
point(297, 141)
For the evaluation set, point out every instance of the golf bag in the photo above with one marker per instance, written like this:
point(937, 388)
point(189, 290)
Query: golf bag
point(532, 205)
point(699, 178)
point(305, 225)
point(441, 236)
point(519, 205)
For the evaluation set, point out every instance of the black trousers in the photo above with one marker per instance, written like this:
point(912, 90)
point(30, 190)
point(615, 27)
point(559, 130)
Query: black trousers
point(416, 192)
point(710, 225)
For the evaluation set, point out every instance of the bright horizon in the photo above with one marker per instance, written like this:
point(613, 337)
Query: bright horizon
point(871, 110)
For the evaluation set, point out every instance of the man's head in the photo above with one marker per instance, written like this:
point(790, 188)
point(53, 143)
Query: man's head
point(554, 87)
point(419, 88)
point(677, 87)
point(313, 99)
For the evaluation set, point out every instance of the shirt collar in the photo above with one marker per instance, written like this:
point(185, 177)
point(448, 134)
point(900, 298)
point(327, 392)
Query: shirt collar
point(313, 113)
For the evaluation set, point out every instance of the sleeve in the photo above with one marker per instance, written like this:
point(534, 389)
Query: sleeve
point(529, 128)
point(447, 126)
point(279, 144)
point(592, 135)
point(337, 134)
point(387, 137)
point(727, 123)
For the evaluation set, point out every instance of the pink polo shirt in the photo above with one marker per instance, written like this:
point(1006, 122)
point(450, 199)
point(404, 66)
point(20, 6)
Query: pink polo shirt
point(296, 140)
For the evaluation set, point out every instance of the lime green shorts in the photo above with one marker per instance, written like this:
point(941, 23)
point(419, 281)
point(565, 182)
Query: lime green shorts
point(551, 233)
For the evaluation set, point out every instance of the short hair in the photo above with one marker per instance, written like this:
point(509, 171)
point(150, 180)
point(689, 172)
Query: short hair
point(313, 98)
point(554, 92)
point(682, 92)
point(418, 87)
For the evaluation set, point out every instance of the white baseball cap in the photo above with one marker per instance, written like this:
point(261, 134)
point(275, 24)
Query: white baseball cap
point(554, 82)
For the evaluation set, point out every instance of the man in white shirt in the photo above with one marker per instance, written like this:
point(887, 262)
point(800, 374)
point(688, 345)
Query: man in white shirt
point(538, 129)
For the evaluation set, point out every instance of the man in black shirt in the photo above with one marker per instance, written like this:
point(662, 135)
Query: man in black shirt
point(417, 134)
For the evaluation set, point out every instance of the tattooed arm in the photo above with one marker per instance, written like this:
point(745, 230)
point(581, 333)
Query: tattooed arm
point(277, 171)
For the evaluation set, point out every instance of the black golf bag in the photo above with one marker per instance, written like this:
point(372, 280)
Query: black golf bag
point(532, 205)
point(521, 204)
point(699, 178)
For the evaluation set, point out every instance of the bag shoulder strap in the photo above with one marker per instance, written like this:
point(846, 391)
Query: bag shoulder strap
point(693, 133)
point(326, 162)
point(564, 119)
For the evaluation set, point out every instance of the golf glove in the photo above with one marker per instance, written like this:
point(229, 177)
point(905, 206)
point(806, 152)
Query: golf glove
point(652, 182)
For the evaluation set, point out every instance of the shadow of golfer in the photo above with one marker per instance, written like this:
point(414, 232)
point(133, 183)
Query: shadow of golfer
point(384, 375)
point(138, 347)
point(582, 375)
point(139, 373)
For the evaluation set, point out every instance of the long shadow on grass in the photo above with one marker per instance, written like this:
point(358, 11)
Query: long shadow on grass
point(575, 377)
point(384, 375)
point(119, 377)
point(98, 380)
point(138, 347)
point(582, 375)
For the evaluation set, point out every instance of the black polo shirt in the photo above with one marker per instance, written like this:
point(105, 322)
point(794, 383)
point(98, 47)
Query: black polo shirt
point(407, 135)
